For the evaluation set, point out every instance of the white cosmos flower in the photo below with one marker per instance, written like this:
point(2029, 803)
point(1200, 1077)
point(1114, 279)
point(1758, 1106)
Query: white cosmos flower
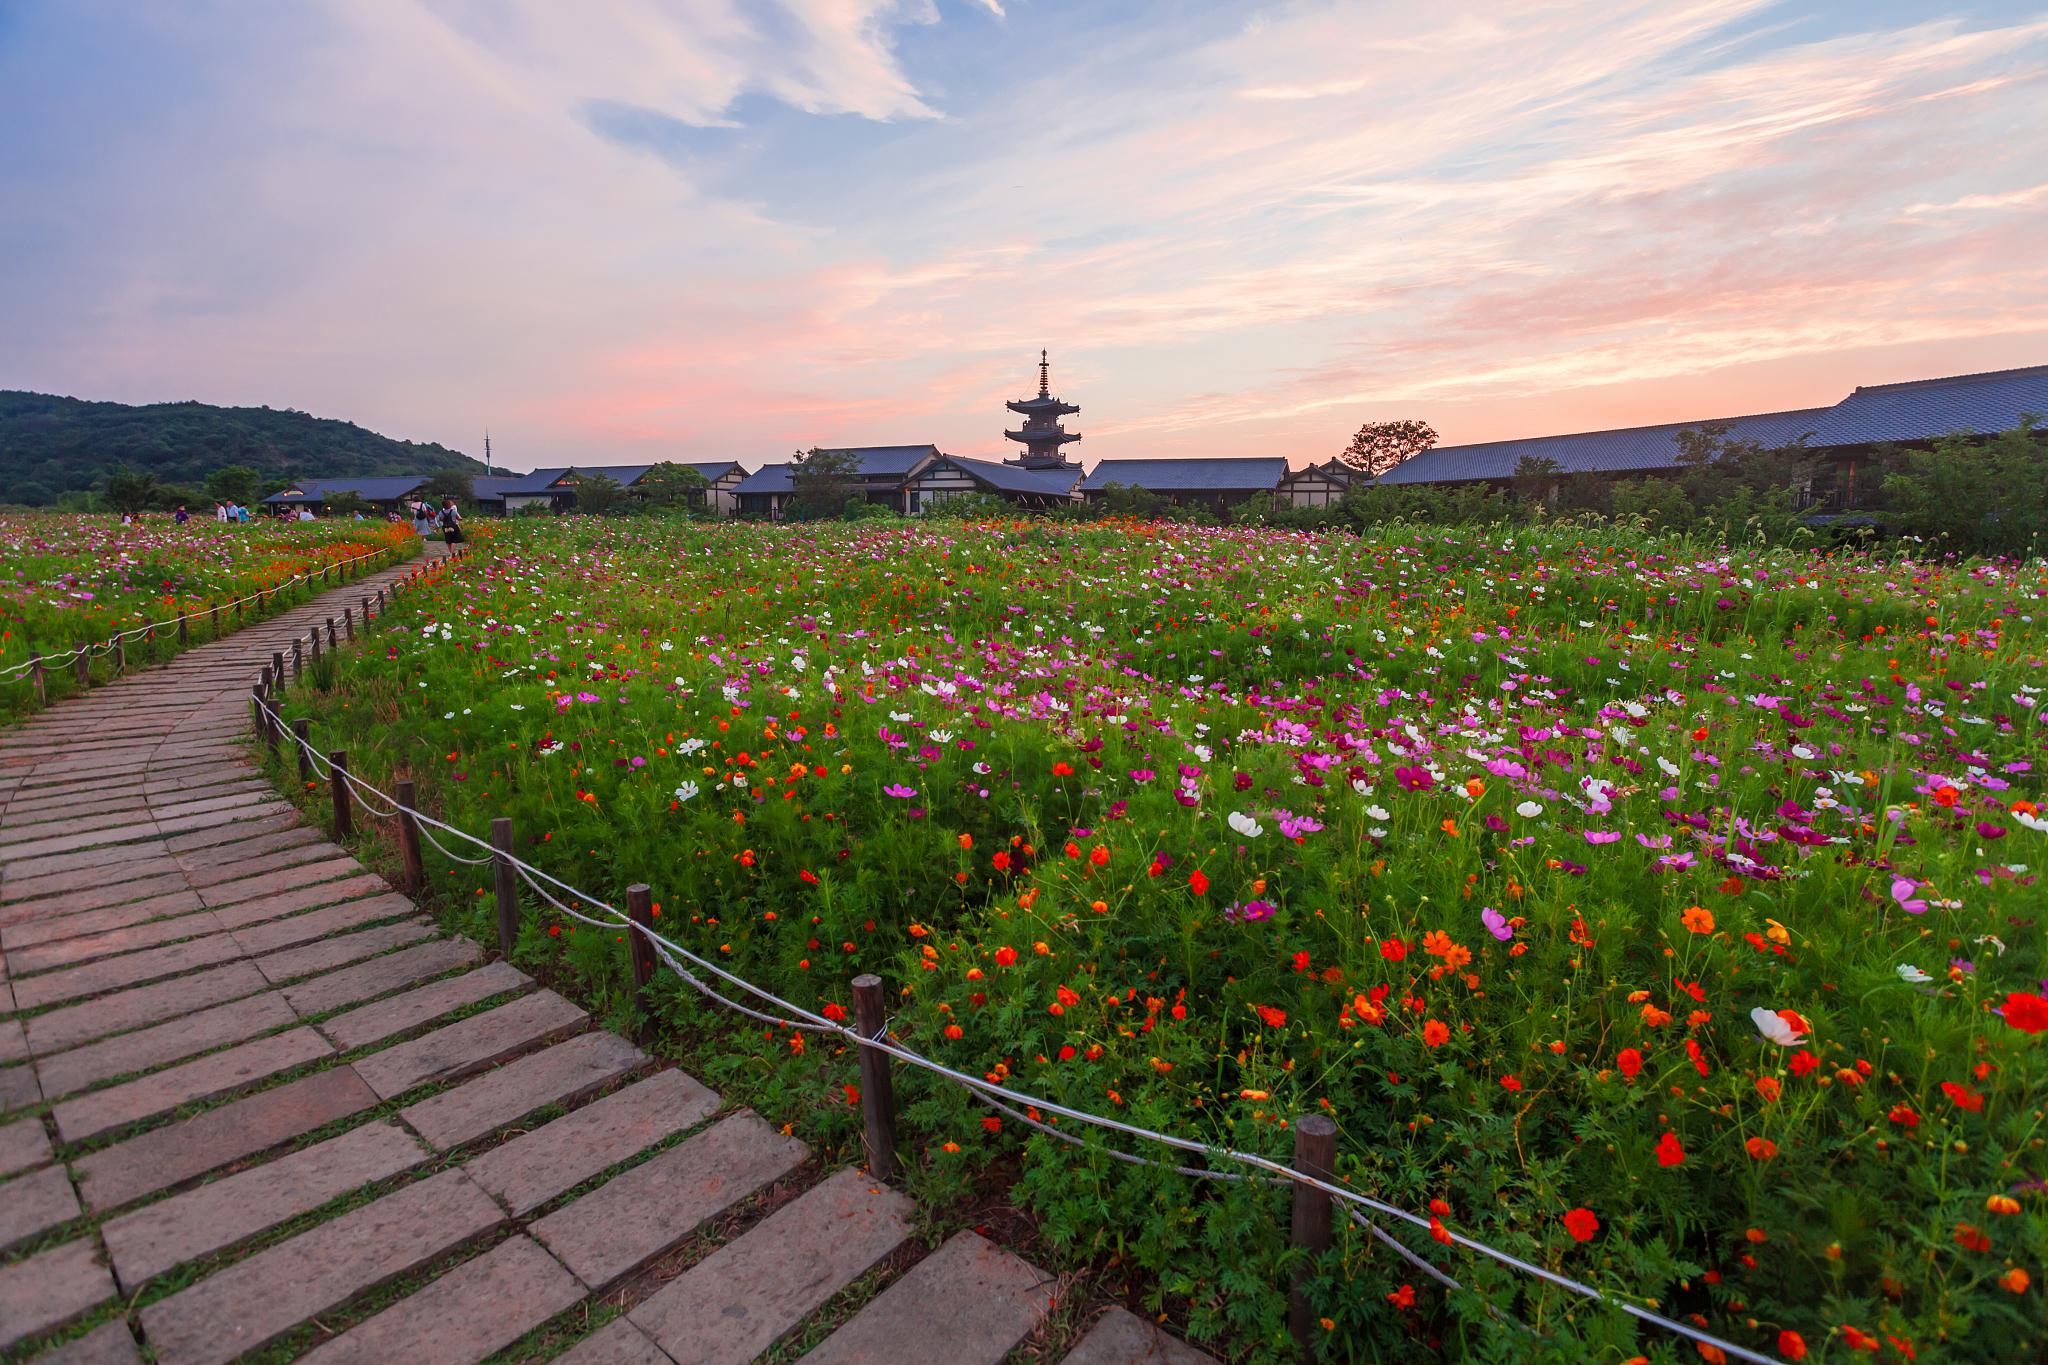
point(689, 746)
point(900, 717)
point(1245, 825)
point(1908, 972)
point(1378, 813)
point(1774, 1027)
point(687, 791)
point(2036, 823)
point(942, 736)
point(1529, 810)
point(667, 645)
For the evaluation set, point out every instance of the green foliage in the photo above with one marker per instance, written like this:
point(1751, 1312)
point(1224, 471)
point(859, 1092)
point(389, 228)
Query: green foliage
point(670, 486)
point(234, 483)
point(448, 483)
point(600, 495)
point(67, 445)
point(824, 484)
point(972, 507)
point(131, 490)
point(1973, 497)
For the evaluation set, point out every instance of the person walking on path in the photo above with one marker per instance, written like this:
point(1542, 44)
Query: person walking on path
point(451, 522)
point(422, 519)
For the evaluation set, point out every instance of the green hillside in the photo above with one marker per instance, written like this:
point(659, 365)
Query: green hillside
point(50, 446)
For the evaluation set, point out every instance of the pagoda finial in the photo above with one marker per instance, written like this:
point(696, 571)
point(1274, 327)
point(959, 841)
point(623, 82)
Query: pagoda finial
point(1043, 368)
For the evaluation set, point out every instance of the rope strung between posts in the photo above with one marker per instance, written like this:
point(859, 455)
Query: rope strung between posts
point(12, 671)
point(796, 1016)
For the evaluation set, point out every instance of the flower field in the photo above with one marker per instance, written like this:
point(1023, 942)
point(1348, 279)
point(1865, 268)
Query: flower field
point(66, 579)
point(1667, 919)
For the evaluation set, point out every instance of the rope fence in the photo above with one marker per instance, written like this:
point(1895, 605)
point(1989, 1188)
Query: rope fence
point(1310, 1175)
point(34, 668)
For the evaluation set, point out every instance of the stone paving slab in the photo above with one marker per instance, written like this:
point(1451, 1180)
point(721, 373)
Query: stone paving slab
point(341, 950)
point(98, 978)
point(103, 1111)
point(279, 849)
point(968, 1303)
point(381, 975)
point(175, 1153)
point(79, 866)
point(269, 928)
point(470, 1044)
point(71, 952)
point(188, 1036)
point(18, 1089)
point(172, 902)
point(737, 1302)
point(277, 881)
point(32, 1204)
point(221, 1213)
point(63, 893)
point(56, 924)
point(1120, 1337)
point(92, 838)
point(111, 1014)
point(618, 1342)
point(388, 1018)
point(641, 1213)
point(227, 834)
point(49, 1289)
point(109, 1344)
point(13, 1040)
point(562, 1074)
point(253, 1302)
point(472, 1312)
point(563, 1153)
point(24, 1143)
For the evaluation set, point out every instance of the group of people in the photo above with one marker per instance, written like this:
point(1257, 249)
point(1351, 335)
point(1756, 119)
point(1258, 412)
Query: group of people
point(425, 519)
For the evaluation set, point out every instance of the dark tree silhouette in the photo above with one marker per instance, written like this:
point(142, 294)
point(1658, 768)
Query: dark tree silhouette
point(1379, 446)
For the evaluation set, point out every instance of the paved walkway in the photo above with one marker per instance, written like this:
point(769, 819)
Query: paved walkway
point(252, 1100)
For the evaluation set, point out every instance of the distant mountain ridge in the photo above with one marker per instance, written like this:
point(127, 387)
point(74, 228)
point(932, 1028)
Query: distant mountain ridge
point(51, 445)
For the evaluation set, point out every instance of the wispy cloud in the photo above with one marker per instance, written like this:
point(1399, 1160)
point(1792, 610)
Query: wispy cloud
point(1234, 235)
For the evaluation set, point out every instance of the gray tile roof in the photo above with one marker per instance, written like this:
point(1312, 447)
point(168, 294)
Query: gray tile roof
point(1924, 409)
point(1009, 478)
point(876, 464)
point(1627, 450)
point(381, 489)
point(1190, 476)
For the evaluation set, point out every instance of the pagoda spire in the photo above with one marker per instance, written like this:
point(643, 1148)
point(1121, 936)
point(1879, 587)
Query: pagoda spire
point(1042, 435)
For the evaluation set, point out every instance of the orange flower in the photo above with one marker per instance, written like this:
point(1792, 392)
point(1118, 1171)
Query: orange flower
point(1767, 1086)
point(1760, 1149)
point(966, 841)
point(2002, 1203)
point(1698, 918)
point(2015, 1281)
point(1435, 1033)
point(1655, 1017)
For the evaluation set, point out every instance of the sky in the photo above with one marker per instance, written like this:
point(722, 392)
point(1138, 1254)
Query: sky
point(630, 230)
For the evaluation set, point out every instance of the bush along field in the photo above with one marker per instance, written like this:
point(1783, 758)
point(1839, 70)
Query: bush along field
point(67, 579)
point(1669, 920)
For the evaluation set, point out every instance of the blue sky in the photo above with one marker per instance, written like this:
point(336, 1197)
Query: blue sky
point(708, 229)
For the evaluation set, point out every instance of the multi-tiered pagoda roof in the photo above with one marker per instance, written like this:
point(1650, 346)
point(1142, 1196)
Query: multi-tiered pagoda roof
point(1042, 434)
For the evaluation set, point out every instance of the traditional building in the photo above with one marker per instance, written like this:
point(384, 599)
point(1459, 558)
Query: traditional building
point(385, 493)
point(555, 487)
point(1042, 435)
point(1316, 485)
point(880, 473)
point(1217, 485)
point(956, 476)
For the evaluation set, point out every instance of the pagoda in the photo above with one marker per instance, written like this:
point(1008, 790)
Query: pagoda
point(1042, 433)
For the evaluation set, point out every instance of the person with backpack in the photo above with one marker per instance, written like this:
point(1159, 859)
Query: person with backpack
point(451, 523)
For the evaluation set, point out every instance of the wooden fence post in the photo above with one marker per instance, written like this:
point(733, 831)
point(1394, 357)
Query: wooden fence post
point(277, 669)
point(184, 628)
point(640, 910)
point(298, 658)
point(333, 637)
point(266, 722)
point(409, 837)
point(303, 728)
point(348, 623)
point(344, 817)
point(877, 1085)
point(120, 656)
point(82, 665)
point(1315, 1154)
point(508, 885)
point(35, 669)
point(366, 612)
point(380, 601)
point(314, 636)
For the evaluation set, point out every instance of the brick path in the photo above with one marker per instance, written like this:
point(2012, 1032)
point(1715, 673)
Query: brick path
point(252, 1100)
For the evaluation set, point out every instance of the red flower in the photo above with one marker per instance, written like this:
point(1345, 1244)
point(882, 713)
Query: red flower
point(1964, 1097)
point(1006, 956)
point(1273, 1018)
point(1198, 883)
point(1439, 1231)
point(1393, 949)
point(1791, 1345)
point(1581, 1224)
point(1630, 1061)
point(836, 1013)
point(1669, 1152)
point(1859, 1340)
point(1404, 1297)
point(992, 1124)
point(1435, 1033)
point(1510, 1083)
point(2026, 1011)
point(1804, 1063)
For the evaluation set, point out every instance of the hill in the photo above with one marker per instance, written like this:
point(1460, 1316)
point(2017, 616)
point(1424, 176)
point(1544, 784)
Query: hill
point(50, 446)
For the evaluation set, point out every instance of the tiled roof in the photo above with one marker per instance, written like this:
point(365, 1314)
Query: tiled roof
point(1924, 409)
point(1624, 451)
point(1189, 476)
point(769, 478)
point(1009, 478)
point(370, 490)
point(876, 464)
point(493, 487)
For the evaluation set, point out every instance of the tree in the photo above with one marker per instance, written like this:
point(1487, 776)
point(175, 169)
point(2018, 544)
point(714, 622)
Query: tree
point(823, 484)
point(1379, 446)
point(449, 483)
point(1535, 478)
point(669, 484)
point(233, 483)
point(348, 504)
point(131, 490)
point(599, 494)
